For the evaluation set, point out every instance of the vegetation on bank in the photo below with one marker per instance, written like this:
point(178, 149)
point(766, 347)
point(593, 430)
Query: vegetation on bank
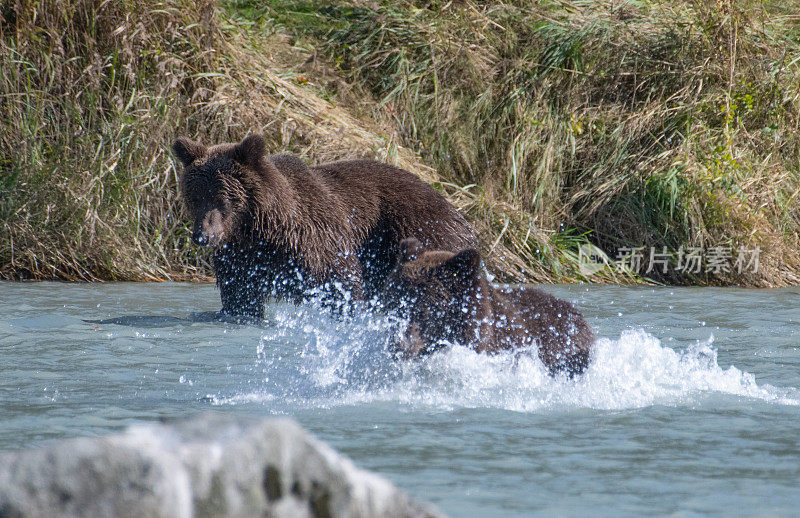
point(550, 123)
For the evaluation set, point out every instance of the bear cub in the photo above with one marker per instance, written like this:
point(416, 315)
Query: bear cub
point(282, 229)
point(446, 297)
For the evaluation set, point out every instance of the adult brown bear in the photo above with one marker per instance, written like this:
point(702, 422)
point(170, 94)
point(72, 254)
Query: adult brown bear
point(446, 297)
point(282, 229)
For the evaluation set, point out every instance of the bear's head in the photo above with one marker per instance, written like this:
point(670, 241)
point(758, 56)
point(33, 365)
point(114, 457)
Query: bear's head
point(442, 295)
point(217, 185)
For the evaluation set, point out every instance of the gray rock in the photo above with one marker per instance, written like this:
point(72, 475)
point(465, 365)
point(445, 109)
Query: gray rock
point(214, 465)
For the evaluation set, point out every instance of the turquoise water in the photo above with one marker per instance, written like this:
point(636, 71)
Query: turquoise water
point(691, 404)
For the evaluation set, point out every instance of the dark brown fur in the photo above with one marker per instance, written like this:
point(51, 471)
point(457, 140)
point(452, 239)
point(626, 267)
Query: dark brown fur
point(447, 297)
point(282, 228)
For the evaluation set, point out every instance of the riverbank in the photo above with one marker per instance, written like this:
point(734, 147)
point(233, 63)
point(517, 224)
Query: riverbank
point(667, 127)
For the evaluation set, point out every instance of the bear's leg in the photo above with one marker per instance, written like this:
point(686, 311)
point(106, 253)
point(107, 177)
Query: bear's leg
point(240, 284)
point(378, 255)
point(242, 297)
point(348, 273)
point(344, 284)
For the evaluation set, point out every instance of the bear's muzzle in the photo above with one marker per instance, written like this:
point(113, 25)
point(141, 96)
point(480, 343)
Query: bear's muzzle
point(209, 229)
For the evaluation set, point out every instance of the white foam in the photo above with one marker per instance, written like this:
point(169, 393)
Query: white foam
point(337, 362)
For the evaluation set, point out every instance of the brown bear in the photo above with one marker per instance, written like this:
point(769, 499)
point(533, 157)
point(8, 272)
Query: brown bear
point(282, 229)
point(447, 297)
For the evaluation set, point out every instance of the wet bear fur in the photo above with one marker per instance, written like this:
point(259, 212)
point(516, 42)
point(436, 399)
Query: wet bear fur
point(281, 228)
point(446, 297)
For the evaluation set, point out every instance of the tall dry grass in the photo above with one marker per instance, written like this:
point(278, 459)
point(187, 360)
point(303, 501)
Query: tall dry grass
point(665, 124)
point(92, 93)
point(624, 123)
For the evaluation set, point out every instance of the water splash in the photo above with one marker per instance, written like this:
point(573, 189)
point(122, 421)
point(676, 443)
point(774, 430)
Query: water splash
point(310, 360)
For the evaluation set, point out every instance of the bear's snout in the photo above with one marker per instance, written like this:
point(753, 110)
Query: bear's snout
point(209, 228)
point(409, 343)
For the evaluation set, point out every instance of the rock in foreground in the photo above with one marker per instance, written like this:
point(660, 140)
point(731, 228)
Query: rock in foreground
point(214, 465)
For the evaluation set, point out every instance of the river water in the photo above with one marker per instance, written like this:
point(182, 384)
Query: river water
point(691, 404)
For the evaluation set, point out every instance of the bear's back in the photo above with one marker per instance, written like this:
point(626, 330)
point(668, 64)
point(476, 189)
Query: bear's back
point(564, 337)
point(412, 207)
point(542, 311)
point(289, 165)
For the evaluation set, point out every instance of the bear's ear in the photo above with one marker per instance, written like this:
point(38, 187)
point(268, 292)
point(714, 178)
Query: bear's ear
point(410, 249)
point(188, 150)
point(250, 151)
point(464, 268)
